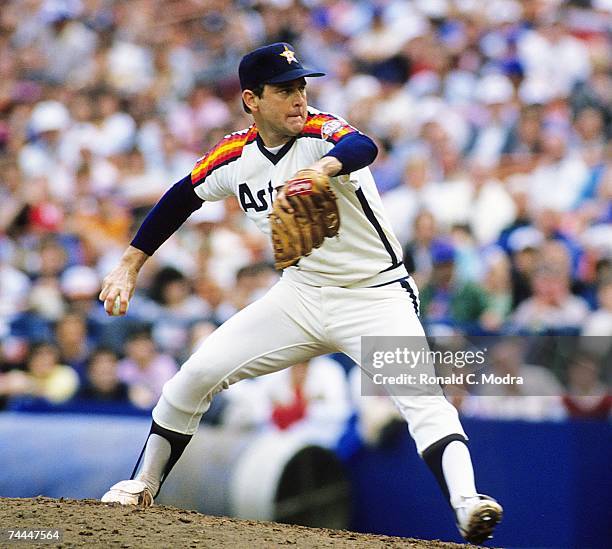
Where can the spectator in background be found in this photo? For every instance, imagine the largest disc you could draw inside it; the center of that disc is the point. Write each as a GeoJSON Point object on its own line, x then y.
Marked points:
{"type": "Point", "coordinates": [13, 355]}
{"type": "Point", "coordinates": [597, 328]}
{"type": "Point", "coordinates": [558, 242]}
{"type": "Point", "coordinates": [393, 106]}
{"type": "Point", "coordinates": [518, 187]}
{"type": "Point", "coordinates": [560, 175]}
{"type": "Point", "coordinates": [495, 92]}
{"type": "Point", "coordinates": [115, 131]}
{"type": "Point", "coordinates": [45, 212]}
{"type": "Point", "coordinates": [141, 186]}
{"type": "Point", "coordinates": [595, 92]}
{"type": "Point", "coordinates": [211, 293]}
{"type": "Point", "coordinates": [312, 392]}
{"type": "Point", "coordinates": [177, 309]}
{"type": "Point", "coordinates": [200, 113]}
{"type": "Point", "coordinates": [446, 301]}
{"type": "Point", "coordinates": [171, 290]}
{"type": "Point", "coordinates": [199, 332]}
{"type": "Point", "coordinates": [589, 136]}
{"type": "Point", "coordinates": [492, 208]}
{"type": "Point", "coordinates": [587, 397]}
{"type": "Point", "coordinates": [378, 422]}
{"type": "Point", "coordinates": [35, 323]}
{"type": "Point", "coordinates": [65, 41]}
{"type": "Point", "coordinates": [102, 383]}
{"type": "Point", "coordinates": [379, 42]}
{"type": "Point", "coordinates": [404, 202]}
{"type": "Point", "coordinates": [497, 284]}
{"type": "Point", "coordinates": [102, 224]}
{"type": "Point", "coordinates": [523, 143]}
{"type": "Point", "coordinates": [72, 341]}
{"type": "Point", "coordinates": [12, 196]}
{"type": "Point", "coordinates": [80, 286]}
{"type": "Point", "coordinates": [236, 234]}
{"type": "Point", "coordinates": [552, 306]}
{"type": "Point", "coordinates": [44, 377]}
{"type": "Point", "coordinates": [599, 322]}
{"type": "Point", "coordinates": [551, 55]}
{"type": "Point", "coordinates": [251, 283]}
{"type": "Point", "coordinates": [310, 397]}
{"type": "Point", "coordinates": [524, 246]}
{"type": "Point", "coordinates": [46, 258]}
{"type": "Point", "coordinates": [449, 197]}
{"type": "Point", "coordinates": [385, 168]}
{"type": "Point", "coordinates": [46, 153]}
{"type": "Point", "coordinates": [537, 398]}
{"type": "Point", "coordinates": [14, 287]}
{"type": "Point", "coordinates": [468, 260]}
{"type": "Point", "coordinates": [173, 159]}
{"type": "Point", "coordinates": [47, 261]}
{"type": "Point", "coordinates": [417, 253]}
{"type": "Point", "coordinates": [144, 369]}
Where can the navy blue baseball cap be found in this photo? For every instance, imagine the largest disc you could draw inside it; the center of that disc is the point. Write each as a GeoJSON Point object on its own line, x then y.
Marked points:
{"type": "Point", "coordinates": [271, 64]}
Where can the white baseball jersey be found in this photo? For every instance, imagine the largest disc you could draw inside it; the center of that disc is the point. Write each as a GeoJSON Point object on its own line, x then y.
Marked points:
{"type": "Point", "coordinates": [325, 304]}
{"type": "Point", "coordinates": [365, 252]}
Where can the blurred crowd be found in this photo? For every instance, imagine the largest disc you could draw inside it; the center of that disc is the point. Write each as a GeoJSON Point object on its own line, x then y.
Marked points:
{"type": "Point", "coordinates": [492, 121]}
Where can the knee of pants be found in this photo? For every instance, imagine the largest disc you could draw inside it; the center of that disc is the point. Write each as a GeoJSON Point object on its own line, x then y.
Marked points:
{"type": "Point", "coordinates": [430, 418]}
{"type": "Point", "coordinates": [173, 418]}
{"type": "Point", "coordinates": [193, 386]}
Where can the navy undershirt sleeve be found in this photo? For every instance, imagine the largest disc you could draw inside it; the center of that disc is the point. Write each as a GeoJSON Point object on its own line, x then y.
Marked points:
{"type": "Point", "coordinates": [354, 151]}
{"type": "Point", "coordinates": [172, 210]}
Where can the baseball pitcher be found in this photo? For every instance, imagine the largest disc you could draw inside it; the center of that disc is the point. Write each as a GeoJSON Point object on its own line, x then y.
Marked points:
{"type": "Point", "coordinates": [302, 176]}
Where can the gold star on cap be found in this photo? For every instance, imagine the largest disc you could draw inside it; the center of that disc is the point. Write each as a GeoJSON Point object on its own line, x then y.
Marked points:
{"type": "Point", "coordinates": [289, 55]}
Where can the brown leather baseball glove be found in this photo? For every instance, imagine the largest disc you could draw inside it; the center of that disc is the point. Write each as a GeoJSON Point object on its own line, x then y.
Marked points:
{"type": "Point", "coordinates": [315, 216]}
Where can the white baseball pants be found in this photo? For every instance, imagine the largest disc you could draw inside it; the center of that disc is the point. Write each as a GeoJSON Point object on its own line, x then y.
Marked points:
{"type": "Point", "coordinates": [292, 323]}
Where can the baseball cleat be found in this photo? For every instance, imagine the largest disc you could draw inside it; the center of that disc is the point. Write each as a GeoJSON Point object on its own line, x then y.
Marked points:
{"type": "Point", "coordinates": [478, 518]}
{"type": "Point", "coordinates": [129, 492]}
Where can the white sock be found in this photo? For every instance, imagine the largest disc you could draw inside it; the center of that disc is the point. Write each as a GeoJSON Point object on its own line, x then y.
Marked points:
{"type": "Point", "coordinates": [458, 473]}
{"type": "Point", "coordinates": [156, 456]}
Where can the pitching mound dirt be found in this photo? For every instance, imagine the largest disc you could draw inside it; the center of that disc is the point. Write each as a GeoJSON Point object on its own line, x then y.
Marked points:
{"type": "Point", "coordinates": [94, 524]}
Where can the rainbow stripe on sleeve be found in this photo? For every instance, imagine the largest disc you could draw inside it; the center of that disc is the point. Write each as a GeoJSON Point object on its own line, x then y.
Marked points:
{"type": "Point", "coordinates": [314, 125]}
{"type": "Point", "coordinates": [224, 152]}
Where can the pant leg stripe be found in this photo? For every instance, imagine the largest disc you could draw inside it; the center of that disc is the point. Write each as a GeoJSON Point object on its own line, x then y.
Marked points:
{"type": "Point", "coordinates": [406, 285]}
